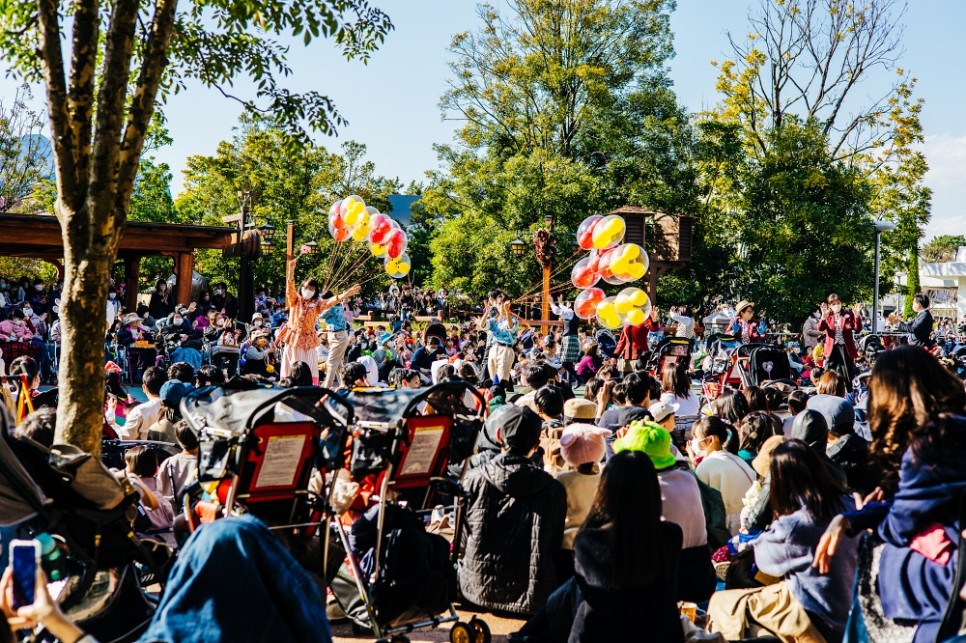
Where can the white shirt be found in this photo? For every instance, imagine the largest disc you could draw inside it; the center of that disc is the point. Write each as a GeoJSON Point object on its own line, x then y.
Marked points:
{"type": "Point", "coordinates": [685, 326]}
{"type": "Point", "coordinates": [687, 406]}
{"type": "Point", "coordinates": [681, 502]}
{"type": "Point", "coordinates": [732, 477]}
{"type": "Point", "coordinates": [562, 312]}
{"type": "Point", "coordinates": [140, 419]}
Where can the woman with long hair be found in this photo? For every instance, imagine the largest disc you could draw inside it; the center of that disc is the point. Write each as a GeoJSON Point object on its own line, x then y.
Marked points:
{"type": "Point", "coordinates": [306, 305]}
{"type": "Point", "coordinates": [805, 605]}
{"type": "Point", "coordinates": [676, 389]}
{"type": "Point", "coordinates": [626, 560]}
{"type": "Point", "coordinates": [731, 406]}
{"type": "Point", "coordinates": [162, 302]}
{"type": "Point", "coordinates": [917, 416]}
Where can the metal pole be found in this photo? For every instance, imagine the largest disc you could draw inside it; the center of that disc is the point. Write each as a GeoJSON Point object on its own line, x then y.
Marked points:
{"type": "Point", "coordinates": [875, 292]}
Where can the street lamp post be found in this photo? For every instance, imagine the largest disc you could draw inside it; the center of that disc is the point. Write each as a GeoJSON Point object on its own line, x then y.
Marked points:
{"type": "Point", "coordinates": [880, 227]}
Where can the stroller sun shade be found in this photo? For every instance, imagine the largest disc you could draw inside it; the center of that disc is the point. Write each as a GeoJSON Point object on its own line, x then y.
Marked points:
{"type": "Point", "coordinates": [20, 496]}
{"type": "Point", "coordinates": [233, 413]}
{"type": "Point", "coordinates": [383, 406]}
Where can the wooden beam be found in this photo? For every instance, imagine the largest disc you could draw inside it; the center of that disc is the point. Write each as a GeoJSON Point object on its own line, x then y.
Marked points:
{"type": "Point", "coordinates": [184, 264]}
{"type": "Point", "coordinates": [132, 273]}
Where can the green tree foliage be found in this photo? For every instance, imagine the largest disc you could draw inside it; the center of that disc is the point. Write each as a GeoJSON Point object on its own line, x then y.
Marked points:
{"type": "Point", "coordinates": [805, 230]}
{"type": "Point", "coordinates": [104, 64]}
{"type": "Point", "coordinates": [825, 63]}
{"type": "Point", "coordinates": [25, 155]}
{"type": "Point", "coordinates": [289, 180]}
{"type": "Point", "coordinates": [942, 248]}
{"type": "Point", "coordinates": [912, 284]}
{"type": "Point", "coordinates": [568, 112]}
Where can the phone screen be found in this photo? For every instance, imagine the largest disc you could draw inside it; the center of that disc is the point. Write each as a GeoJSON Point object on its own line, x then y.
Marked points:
{"type": "Point", "coordinates": [24, 559]}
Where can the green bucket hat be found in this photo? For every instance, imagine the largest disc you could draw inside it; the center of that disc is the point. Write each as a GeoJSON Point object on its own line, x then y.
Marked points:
{"type": "Point", "coordinates": [650, 438]}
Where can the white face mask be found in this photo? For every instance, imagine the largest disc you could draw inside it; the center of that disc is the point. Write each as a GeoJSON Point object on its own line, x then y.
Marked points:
{"type": "Point", "coordinates": [220, 323]}
{"type": "Point", "coordinates": [308, 293]}
{"type": "Point", "coordinates": [111, 295]}
{"type": "Point", "coordinates": [257, 323]}
{"type": "Point", "coordinates": [217, 291]}
{"type": "Point", "coordinates": [696, 448]}
{"type": "Point", "coordinates": [177, 321]}
{"type": "Point", "coordinates": [836, 308]}
{"type": "Point", "coordinates": [28, 311]}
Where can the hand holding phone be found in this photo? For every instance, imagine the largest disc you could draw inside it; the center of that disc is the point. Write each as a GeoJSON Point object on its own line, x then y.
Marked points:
{"type": "Point", "coordinates": [25, 559]}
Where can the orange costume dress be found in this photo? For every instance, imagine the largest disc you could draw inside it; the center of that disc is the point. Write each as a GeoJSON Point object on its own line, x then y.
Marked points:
{"type": "Point", "coordinates": [299, 336]}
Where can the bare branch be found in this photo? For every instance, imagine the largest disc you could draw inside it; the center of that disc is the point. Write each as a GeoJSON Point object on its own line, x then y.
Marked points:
{"type": "Point", "coordinates": [52, 59]}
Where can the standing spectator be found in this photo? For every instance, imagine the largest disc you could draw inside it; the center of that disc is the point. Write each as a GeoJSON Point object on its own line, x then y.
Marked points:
{"type": "Point", "coordinates": [515, 516]}
{"type": "Point", "coordinates": [685, 324]}
{"type": "Point", "coordinates": [920, 328]}
{"type": "Point", "coordinates": [223, 301]}
{"type": "Point", "coordinates": [811, 335]}
{"type": "Point", "coordinates": [162, 301]}
{"type": "Point", "coordinates": [113, 306]}
{"type": "Point", "coordinates": [633, 340]}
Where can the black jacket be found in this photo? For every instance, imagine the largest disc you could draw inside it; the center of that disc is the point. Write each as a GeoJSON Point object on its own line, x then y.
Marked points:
{"type": "Point", "coordinates": [851, 454]}
{"type": "Point", "coordinates": [514, 525]}
{"type": "Point", "coordinates": [646, 613]}
{"type": "Point", "coordinates": [919, 329]}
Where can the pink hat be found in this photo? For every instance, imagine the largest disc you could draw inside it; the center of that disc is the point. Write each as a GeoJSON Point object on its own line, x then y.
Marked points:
{"type": "Point", "coordinates": [582, 444]}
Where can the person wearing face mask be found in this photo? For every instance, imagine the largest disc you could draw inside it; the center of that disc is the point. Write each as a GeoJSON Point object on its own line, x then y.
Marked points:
{"type": "Point", "coordinates": [712, 450]}
{"type": "Point", "coordinates": [113, 306]}
{"type": "Point", "coordinates": [840, 325]}
{"type": "Point", "coordinates": [301, 341]}
{"type": "Point", "coordinates": [223, 301]}
{"type": "Point", "coordinates": [811, 335]}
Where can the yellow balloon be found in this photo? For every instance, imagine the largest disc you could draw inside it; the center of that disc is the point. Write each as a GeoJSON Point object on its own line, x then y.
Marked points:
{"type": "Point", "coordinates": [636, 271]}
{"type": "Point", "coordinates": [639, 298]}
{"type": "Point", "coordinates": [632, 251]}
{"type": "Point", "coordinates": [619, 266]}
{"type": "Point", "coordinates": [606, 309]}
{"type": "Point", "coordinates": [377, 250]}
{"type": "Point", "coordinates": [623, 306]}
{"type": "Point", "coordinates": [635, 317]}
{"type": "Point", "coordinates": [404, 268]}
{"type": "Point", "coordinates": [360, 233]}
{"type": "Point", "coordinates": [352, 216]}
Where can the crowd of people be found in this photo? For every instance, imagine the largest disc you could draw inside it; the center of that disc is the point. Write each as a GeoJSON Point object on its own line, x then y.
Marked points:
{"type": "Point", "coordinates": [607, 496]}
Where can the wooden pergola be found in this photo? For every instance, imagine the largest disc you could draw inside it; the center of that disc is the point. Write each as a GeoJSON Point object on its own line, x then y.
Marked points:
{"type": "Point", "coordinates": [38, 236]}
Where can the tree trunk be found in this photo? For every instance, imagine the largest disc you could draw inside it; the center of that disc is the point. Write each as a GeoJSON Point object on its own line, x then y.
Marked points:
{"type": "Point", "coordinates": [80, 414]}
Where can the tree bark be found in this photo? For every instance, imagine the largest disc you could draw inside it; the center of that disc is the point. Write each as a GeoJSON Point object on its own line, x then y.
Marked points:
{"type": "Point", "coordinates": [87, 269]}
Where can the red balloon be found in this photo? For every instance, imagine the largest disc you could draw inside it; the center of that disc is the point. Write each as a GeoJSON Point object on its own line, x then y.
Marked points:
{"type": "Point", "coordinates": [336, 221]}
{"type": "Point", "coordinates": [603, 264]}
{"type": "Point", "coordinates": [396, 244]}
{"type": "Point", "coordinates": [583, 276]}
{"type": "Point", "coordinates": [585, 233]}
{"type": "Point", "coordinates": [380, 227]}
{"type": "Point", "coordinates": [585, 305]}
{"type": "Point", "coordinates": [340, 234]}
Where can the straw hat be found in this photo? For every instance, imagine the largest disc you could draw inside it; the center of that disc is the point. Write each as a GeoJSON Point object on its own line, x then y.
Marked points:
{"type": "Point", "coordinates": [744, 303]}
{"type": "Point", "coordinates": [130, 318]}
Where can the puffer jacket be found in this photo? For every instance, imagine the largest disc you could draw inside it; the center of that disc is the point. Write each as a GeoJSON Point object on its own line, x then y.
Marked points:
{"type": "Point", "coordinates": [514, 525]}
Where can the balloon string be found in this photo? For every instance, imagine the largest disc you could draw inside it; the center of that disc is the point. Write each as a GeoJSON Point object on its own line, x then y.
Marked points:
{"type": "Point", "coordinates": [341, 264]}
{"type": "Point", "coordinates": [562, 268]}
{"type": "Point", "coordinates": [334, 258]}
{"type": "Point", "coordinates": [351, 270]}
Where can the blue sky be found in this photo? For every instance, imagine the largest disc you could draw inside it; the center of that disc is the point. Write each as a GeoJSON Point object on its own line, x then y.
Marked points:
{"type": "Point", "coordinates": [392, 103]}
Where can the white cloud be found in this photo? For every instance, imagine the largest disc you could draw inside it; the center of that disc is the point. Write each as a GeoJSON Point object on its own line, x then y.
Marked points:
{"type": "Point", "coordinates": [946, 155]}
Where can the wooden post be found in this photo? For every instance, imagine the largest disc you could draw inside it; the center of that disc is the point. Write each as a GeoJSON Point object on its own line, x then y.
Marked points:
{"type": "Point", "coordinates": [132, 272]}
{"type": "Point", "coordinates": [545, 304]}
{"type": "Point", "coordinates": [184, 264]}
{"type": "Point", "coordinates": [289, 255]}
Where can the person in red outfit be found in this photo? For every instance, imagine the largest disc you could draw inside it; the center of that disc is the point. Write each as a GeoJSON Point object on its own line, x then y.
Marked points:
{"type": "Point", "coordinates": [633, 341]}
{"type": "Point", "coordinates": [744, 326]}
{"type": "Point", "coordinates": [840, 325]}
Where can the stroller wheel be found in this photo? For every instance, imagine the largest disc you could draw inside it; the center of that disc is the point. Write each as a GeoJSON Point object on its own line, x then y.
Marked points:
{"type": "Point", "coordinates": [461, 633]}
{"type": "Point", "coordinates": [481, 631]}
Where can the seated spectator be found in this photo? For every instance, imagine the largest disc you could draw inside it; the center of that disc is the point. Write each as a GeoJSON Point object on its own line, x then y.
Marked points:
{"type": "Point", "coordinates": [183, 372]}
{"type": "Point", "coordinates": [830, 383]}
{"type": "Point", "coordinates": [515, 517]}
{"type": "Point", "coordinates": [753, 430]}
{"type": "Point", "coordinates": [179, 471]}
{"type": "Point", "coordinates": [916, 417]}
{"type": "Point", "coordinates": [811, 428]}
{"type": "Point", "coordinates": [805, 606]}
{"type": "Point", "coordinates": [797, 401]}
{"type": "Point", "coordinates": [664, 414]}
{"type": "Point", "coordinates": [582, 449]}
{"type": "Point", "coordinates": [169, 412]}
{"type": "Point", "coordinates": [155, 516]}
{"type": "Point", "coordinates": [230, 562]}
{"type": "Point", "coordinates": [626, 560]}
{"type": "Point", "coordinates": [587, 366]}
{"type": "Point", "coordinates": [719, 467]}
{"type": "Point", "coordinates": [845, 449]}
{"type": "Point", "coordinates": [143, 416]}
{"type": "Point", "coordinates": [676, 389]}
{"type": "Point", "coordinates": [300, 375]}
{"type": "Point", "coordinates": [681, 505]}
{"type": "Point", "coordinates": [579, 410]}
{"type": "Point", "coordinates": [636, 399]}
{"type": "Point", "coordinates": [210, 375]}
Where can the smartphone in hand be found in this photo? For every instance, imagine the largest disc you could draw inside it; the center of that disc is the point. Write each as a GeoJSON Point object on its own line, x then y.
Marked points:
{"type": "Point", "coordinates": [25, 559]}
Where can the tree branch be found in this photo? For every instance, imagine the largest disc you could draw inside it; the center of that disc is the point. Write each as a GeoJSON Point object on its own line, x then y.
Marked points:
{"type": "Point", "coordinates": [80, 99]}
{"type": "Point", "coordinates": [52, 60]}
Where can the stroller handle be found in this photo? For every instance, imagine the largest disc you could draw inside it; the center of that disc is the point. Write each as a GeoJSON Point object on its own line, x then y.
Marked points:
{"type": "Point", "coordinates": [443, 386]}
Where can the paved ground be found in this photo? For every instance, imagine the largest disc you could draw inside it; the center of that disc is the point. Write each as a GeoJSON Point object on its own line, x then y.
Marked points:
{"type": "Point", "coordinates": [499, 628]}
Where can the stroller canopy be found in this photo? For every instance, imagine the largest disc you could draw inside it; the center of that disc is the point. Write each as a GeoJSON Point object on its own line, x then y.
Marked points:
{"type": "Point", "coordinates": [235, 412]}
{"type": "Point", "coordinates": [20, 496]}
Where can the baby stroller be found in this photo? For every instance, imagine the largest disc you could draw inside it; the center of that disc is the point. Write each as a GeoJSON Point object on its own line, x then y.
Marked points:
{"type": "Point", "coordinates": [400, 578]}
{"type": "Point", "coordinates": [81, 514]}
{"type": "Point", "coordinates": [718, 364]}
{"type": "Point", "coordinates": [871, 345]}
{"type": "Point", "coordinates": [765, 364]}
{"type": "Point", "coordinates": [257, 451]}
{"type": "Point", "coordinates": [669, 351]}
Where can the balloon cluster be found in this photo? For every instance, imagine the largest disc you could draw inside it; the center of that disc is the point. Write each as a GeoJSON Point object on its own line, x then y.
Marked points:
{"type": "Point", "coordinates": [350, 218]}
{"type": "Point", "coordinates": [615, 263]}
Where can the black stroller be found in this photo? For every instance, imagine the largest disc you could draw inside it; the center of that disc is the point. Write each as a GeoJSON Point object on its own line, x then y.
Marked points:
{"type": "Point", "coordinates": [399, 577]}
{"type": "Point", "coordinates": [83, 513]}
{"type": "Point", "coordinates": [671, 349]}
{"type": "Point", "coordinates": [765, 364]}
